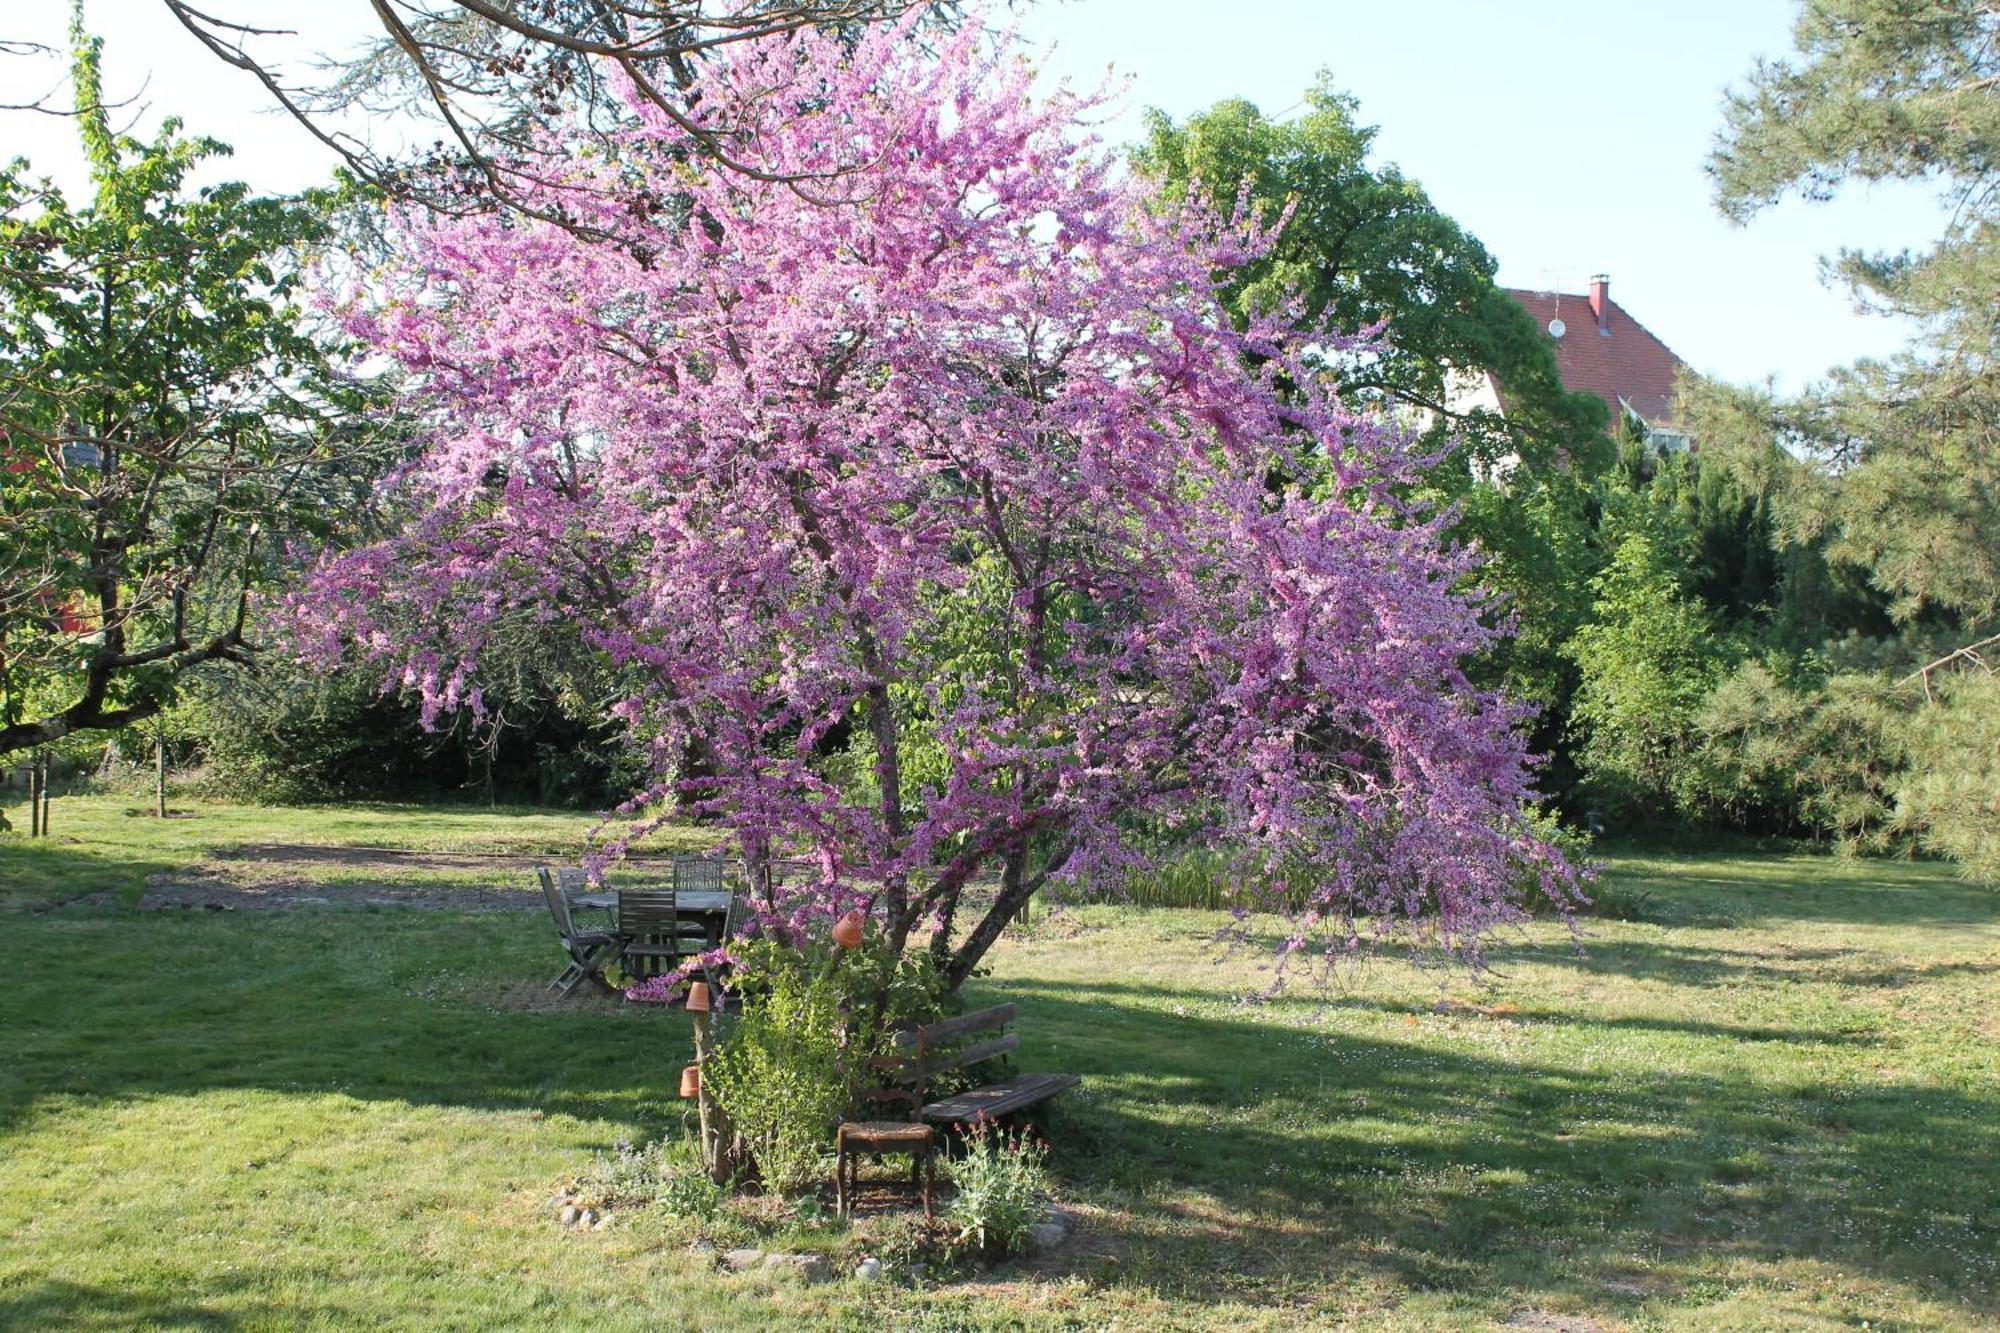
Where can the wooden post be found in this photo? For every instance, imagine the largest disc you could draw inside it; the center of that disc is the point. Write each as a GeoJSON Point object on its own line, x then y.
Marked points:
{"type": "Point", "coordinates": [46, 798]}
{"type": "Point", "coordinates": [160, 775]}
{"type": "Point", "coordinates": [35, 796]}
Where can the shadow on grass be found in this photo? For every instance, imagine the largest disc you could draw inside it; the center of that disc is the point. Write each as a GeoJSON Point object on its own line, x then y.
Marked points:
{"type": "Point", "coordinates": [46, 872]}
{"type": "Point", "coordinates": [1251, 1151]}
{"type": "Point", "coordinates": [74, 1305]}
{"type": "Point", "coordinates": [1447, 1169]}
{"type": "Point", "coordinates": [1700, 891]}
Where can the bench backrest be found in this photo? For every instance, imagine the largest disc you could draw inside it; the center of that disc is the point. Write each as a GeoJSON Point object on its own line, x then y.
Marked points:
{"type": "Point", "coordinates": [950, 1036]}
{"type": "Point", "coordinates": [934, 1048]}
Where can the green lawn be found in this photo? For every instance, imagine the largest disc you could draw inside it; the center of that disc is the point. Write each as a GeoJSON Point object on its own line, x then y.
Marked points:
{"type": "Point", "coordinates": [1774, 1102]}
{"type": "Point", "coordinates": [112, 843]}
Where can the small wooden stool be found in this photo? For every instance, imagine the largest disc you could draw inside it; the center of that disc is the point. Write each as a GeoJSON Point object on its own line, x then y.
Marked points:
{"type": "Point", "coordinates": [879, 1138]}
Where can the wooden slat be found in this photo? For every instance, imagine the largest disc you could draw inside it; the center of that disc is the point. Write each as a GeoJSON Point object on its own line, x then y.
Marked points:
{"type": "Point", "coordinates": [999, 1099]}
{"type": "Point", "coordinates": [999, 1016]}
{"type": "Point", "coordinates": [972, 1055]}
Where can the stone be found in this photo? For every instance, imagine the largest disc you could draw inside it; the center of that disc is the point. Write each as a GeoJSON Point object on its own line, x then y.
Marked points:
{"type": "Point", "coordinates": [809, 1267]}
{"type": "Point", "coordinates": [1047, 1235]}
{"type": "Point", "coordinates": [570, 1213]}
{"type": "Point", "coordinates": [588, 1218]}
{"type": "Point", "coordinates": [869, 1269]}
{"type": "Point", "coordinates": [738, 1260]}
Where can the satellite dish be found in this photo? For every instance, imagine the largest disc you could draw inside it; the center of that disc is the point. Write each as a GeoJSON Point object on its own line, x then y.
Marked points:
{"type": "Point", "coordinates": [1557, 329]}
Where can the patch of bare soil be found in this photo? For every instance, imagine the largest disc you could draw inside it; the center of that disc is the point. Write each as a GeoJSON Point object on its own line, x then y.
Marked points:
{"type": "Point", "coordinates": [187, 890]}
{"type": "Point", "coordinates": [279, 878]}
{"type": "Point", "coordinates": [1551, 1322]}
{"type": "Point", "coordinates": [535, 997]}
{"type": "Point", "coordinates": [386, 859]}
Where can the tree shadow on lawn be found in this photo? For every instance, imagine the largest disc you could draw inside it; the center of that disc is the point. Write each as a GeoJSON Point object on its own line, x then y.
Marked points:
{"type": "Point", "coordinates": [1805, 888]}
{"type": "Point", "coordinates": [43, 873]}
{"type": "Point", "coordinates": [1711, 965]}
{"type": "Point", "coordinates": [1223, 1145]}
{"type": "Point", "coordinates": [388, 1005]}
{"type": "Point", "coordinates": [54, 1303]}
{"type": "Point", "coordinates": [1326, 1153]}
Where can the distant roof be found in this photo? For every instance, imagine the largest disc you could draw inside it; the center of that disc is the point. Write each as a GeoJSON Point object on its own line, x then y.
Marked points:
{"type": "Point", "coordinates": [1625, 364]}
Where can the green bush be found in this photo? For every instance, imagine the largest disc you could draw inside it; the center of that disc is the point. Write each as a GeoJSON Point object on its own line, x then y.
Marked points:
{"type": "Point", "coordinates": [289, 736]}
{"type": "Point", "coordinates": [813, 1016]}
{"type": "Point", "coordinates": [664, 1173]}
{"type": "Point", "coordinates": [1646, 663]}
{"type": "Point", "coordinates": [1823, 759]}
{"type": "Point", "coordinates": [1949, 800]}
{"type": "Point", "coordinates": [1864, 760]}
{"type": "Point", "coordinates": [1002, 1185]}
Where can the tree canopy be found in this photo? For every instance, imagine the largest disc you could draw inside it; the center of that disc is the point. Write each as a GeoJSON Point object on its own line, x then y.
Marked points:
{"type": "Point", "coordinates": [1909, 448]}
{"type": "Point", "coordinates": [1364, 246]}
{"type": "Point", "coordinates": [166, 418]}
{"type": "Point", "coordinates": [934, 511]}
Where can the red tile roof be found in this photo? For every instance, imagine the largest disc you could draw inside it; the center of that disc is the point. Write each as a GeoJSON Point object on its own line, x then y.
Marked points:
{"type": "Point", "coordinates": [1624, 363]}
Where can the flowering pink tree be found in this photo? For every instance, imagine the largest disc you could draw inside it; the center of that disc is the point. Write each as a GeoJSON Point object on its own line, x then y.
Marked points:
{"type": "Point", "coordinates": [936, 518]}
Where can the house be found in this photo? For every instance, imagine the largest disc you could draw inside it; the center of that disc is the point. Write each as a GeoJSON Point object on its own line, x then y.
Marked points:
{"type": "Point", "coordinates": [1599, 349]}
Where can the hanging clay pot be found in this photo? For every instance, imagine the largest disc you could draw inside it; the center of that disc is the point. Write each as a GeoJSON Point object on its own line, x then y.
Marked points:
{"type": "Point", "coordinates": [691, 1081]}
{"type": "Point", "coordinates": [697, 1001]}
{"type": "Point", "coordinates": [847, 930]}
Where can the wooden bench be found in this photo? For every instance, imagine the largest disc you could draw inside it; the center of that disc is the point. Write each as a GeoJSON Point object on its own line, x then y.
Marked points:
{"type": "Point", "coordinates": [921, 1046]}
{"type": "Point", "coordinates": [916, 1061]}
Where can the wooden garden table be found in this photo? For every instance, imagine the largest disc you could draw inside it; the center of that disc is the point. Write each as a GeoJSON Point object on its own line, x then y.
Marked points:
{"type": "Point", "coordinates": [703, 905]}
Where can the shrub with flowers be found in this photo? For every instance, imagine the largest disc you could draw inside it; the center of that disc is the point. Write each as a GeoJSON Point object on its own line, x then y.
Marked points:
{"type": "Point", "coordinates": [1002, 1188]}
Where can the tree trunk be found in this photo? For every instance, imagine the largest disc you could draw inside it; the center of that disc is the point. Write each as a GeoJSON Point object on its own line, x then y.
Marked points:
{"type": "Point", "coordinates": [718, 1136]}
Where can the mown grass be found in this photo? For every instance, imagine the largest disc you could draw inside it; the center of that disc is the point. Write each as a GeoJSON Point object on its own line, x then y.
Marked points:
{"type": "Point", "coordinates": [1774, 1102]}
{"type": "Point", "coordinates": [111, 843]}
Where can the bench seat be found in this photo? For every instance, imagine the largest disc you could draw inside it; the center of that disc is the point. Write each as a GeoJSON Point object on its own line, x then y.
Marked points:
{"type": "Point", "coordinates": [998, 1099]}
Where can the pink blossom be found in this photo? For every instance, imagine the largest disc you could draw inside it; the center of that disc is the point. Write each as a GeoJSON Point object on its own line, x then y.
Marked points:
{"type": "Point", "coordinates": [940, 440]}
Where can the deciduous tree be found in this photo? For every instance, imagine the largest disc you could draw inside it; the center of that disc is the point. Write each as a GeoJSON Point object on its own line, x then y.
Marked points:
{"type": "Point", "coordinates": [166, 418]}
{"type": "Point", "coordinates": [957, 464]}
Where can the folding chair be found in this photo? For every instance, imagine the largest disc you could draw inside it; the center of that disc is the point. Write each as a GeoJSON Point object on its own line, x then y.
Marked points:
{"type": "Point", "coordinates": [587, 949]}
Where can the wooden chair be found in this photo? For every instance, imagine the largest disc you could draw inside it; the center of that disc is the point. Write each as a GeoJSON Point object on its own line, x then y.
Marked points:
{"type": "Point", "coordinates": [652, 932]}
{"type": "Point", "coordinates": [865, 1136]}
{"type": "Point", "coordinates": [587, 949]}
{"type": "Point", "coordinates": [698, 873]}
{"type": "Point", "coordinates": [703, 874]}
{"type": "Point", "coordinates": [953, 1043]}
{"type": "Point", "coordinates": [732, 922]}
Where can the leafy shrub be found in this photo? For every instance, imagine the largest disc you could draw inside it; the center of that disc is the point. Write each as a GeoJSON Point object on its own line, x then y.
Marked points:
{"type": "Point", "coordinates": [1002, 1185]}
{"type": "Point", "coordinates": [812, 1018]}
{"type": "Point", "coordinates": [1950, 797]}
{"type": "Point", "coordinates": [1646, 663]}
{"type": "Point", "coordinates": [290, 736]}
{"type": "Point", "coordinates": [664, 1173]}
{"type": "Point", "coordinates": [1781, 758]}
{"type": "Point", "coordinates": [1862, 759]}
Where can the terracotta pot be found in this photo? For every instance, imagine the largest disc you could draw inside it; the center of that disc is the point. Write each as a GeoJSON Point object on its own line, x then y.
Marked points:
{"type": "Point", "coordinates": [691, 1081]}
{"type": "Point", "coordinates": [847, 930]}
{"type": "Point", "coordinates": [697, 1001]}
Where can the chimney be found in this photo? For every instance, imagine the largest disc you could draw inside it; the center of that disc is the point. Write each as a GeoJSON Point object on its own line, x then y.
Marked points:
{"type": "Point", "coordinates": [1600, 303]}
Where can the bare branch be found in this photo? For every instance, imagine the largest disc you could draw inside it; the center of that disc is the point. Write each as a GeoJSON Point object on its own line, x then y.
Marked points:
{"type": "Point", "coordinates": [496, 75]}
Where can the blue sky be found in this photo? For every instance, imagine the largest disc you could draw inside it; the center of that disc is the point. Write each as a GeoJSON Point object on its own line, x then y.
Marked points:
{"type": "Point", "coordinates": [1568, 135]}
